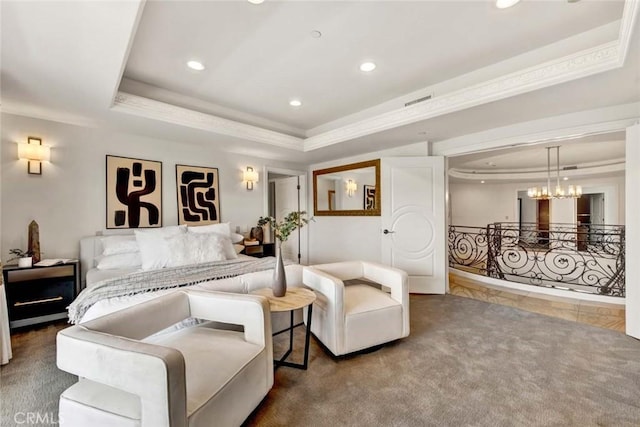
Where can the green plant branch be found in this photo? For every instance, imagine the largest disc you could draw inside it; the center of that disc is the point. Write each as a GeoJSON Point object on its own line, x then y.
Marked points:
{"type": "Point", "coordinates": [288, 225]}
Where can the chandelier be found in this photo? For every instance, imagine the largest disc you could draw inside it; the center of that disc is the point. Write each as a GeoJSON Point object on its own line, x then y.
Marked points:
{"type": "Point", "coordinates": [546, 193]}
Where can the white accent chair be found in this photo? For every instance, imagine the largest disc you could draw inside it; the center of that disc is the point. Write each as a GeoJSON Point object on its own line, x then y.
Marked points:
{"type": "Point", "coordinates": [358, 316]}
{"type": "Point", "coordinates": [195, 376]}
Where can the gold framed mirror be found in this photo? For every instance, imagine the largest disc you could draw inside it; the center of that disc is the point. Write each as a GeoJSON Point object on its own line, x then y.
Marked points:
{"type": "Point", "coordinates": [348, 190]}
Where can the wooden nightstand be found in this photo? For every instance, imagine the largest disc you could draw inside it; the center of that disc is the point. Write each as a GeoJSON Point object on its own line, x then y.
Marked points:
{"type": "Point", "coordinates": [261, 250]}
{"type": "Point", "coordinates": [40, 294]}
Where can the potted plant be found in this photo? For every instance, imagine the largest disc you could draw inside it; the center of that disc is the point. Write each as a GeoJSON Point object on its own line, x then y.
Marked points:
{"type": "Point", "coordinates": [282, 230]}
{"type": "Point", "coordinates": [25, 258]}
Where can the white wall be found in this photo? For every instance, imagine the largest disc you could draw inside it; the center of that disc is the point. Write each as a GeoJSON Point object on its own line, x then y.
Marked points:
{"type": "Point", "coordinates": [343, 238]}
{"type": "Point", "coordinates": [476, 204]}
{"type": "Point", "coordinates": [68, 200]}
{"type": "Point", "coordinates": [529, 208]}
{"type": "Point", "coordinates": [632, 249]}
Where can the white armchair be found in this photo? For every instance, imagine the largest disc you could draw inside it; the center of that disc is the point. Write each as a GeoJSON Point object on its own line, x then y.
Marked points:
{"type": "Point", "coordinates": [195, 376]}
{"type": "Point", "coordinates": [355, 317]}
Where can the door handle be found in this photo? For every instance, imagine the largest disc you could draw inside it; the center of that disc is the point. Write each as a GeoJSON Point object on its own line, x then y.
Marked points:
{"type": "Point", "coordinates": [388, 232]}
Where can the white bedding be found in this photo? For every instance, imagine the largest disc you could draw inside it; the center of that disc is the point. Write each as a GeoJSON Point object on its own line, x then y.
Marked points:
{"type": "Point", "coordinates": [240, 284]}
{"type": "Point", "coordinates": [96, 275]}
{"type": "Point", "coordinates": [92, 247]}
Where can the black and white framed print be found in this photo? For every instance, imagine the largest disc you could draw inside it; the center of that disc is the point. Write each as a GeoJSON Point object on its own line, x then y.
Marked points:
{"type": "Point", "coordinates": [134, 193]}
{"type": "Point", "coordinates": [369, 197]}
{"type": "Point", "coordinates": [198, 195]}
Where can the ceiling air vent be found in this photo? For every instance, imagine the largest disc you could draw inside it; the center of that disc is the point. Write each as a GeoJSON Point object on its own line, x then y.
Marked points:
{"type": "Point", "coordinates": [569, 168]}
{"type": "Point", "coordinates": [415, 101]}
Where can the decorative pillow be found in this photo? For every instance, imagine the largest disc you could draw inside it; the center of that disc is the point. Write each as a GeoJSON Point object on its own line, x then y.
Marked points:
{"type": "Point", "coordinates": [112, 262]}
{"type": "Point", "coordinates": [154, 249]}
{"type": "Point", "coordinates": [196, 248]}
{"type": "Point", "coordinates": [236, 238]}
{"type": "Point", "coordinates": [229, 251]}
{"type": "Point", "coordinates": [114, 245]}
{"type": "Point", "coordinates": [223, 228]}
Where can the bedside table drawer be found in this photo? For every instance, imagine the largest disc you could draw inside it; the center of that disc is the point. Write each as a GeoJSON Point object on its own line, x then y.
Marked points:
{"type": "Point", "coordinates": [39, 294]}
{"type": "Point", "coordinates": [39, 273]}
{"type": "Point", "coordinates": [40, 298]}
{"type": "Point", "coordinates": [255, 250]}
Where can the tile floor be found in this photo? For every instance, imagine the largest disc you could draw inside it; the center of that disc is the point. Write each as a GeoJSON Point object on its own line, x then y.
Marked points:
{"type": "Point", "coordinates": [609, 316]}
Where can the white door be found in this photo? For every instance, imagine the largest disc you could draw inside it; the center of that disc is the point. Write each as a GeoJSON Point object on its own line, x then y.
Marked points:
{"type": "Point", "coordinates": [414, 222]}
{"type": "Point", "coordinates": [287, 201]}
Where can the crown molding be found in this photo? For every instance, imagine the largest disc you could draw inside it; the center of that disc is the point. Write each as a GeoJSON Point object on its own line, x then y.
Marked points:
{"type": "Point", "coordinates": [156, 110]}
{"type": "Point", "coordinates": [571, 67]}
{"type": "Point", "coordinates": [524, 175]}
{"type": "Point", "coordinates": [629, 17]}
{"type": "Point", "coordinates": [521, 140]}
{"type": "Point", "coordinates": [605, 57]}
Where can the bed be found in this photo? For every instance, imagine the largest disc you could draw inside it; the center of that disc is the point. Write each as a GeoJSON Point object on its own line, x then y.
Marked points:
{"type": "Point", "coordinates": [92, 259]}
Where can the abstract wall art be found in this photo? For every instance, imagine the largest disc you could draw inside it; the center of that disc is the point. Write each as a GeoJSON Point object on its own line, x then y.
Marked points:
{"type": "Point", "coordinates": [369, 197]}
{"type": "Point", "coordinates": [134, 193]}
{"type": "Point", "coordinates": [198, 195]}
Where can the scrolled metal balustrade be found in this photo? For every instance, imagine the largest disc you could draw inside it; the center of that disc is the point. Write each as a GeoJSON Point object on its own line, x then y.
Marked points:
{"type": "Point", "coordinates": [586, 258]}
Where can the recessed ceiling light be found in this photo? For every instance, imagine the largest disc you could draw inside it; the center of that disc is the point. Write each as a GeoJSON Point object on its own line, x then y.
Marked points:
{"type": "Point", "coordinates": [566, 178]}
{"type": "Point", "coordinates": [503, 4]}
{"type": "Point", "coordinates": [481, 182]}
{"type": "Point", "coordinates": [422, 133]}
{"type": "Point", "coordinates": [492, 164]}
{"type": "Point", "coordinates": [367, 66]}
{"type": "Point", "coordinates": [255, 1]}
{"type": "Point", "coordinates": [315, 34]}
{"type": "Point", "coordinates": [295, 103]}
{"type": "Point", "coordinates": [195, 65]}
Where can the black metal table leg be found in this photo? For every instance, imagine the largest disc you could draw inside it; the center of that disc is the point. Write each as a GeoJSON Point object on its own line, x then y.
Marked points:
{"type": "Point", "coordinates": [282, 361]}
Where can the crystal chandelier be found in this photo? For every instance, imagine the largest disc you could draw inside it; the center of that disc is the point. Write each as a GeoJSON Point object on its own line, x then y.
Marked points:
{"type": "Point", "coordinates": [546, 193]}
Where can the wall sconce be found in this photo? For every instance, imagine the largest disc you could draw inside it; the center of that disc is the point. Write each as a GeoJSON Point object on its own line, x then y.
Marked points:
{"type": "Point", "coordinates": [351, 188]}
{"type": "Point", "coordinates": [35, 153]}
{"type": "Point", "coordinates": [250, 177]}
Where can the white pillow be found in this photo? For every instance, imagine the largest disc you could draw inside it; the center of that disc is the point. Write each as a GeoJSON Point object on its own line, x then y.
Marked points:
{"type": "Point", "coordinates": [195, 248]}
{"type": "Point", "coordinates": [114, 245]}
{"type": "Point", "coordinates": [229, 250]}
{"type": "Point", "coordinates": [223, 228]}
{"type": "Point", "coordinates": [112, 262]}
{"type": "Point", "coordinates": [154, 249]}
{"type": "Point", "coordinates": [236, 238]}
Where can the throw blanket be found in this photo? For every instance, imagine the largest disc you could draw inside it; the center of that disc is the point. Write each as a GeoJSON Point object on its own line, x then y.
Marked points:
{"type": "Point", "coordinates": [166, 278]}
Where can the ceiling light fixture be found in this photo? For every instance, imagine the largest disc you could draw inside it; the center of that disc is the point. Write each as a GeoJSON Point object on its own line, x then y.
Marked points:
{"type": "Point", "coordinates": [544, 193]}
{"type": "Point", "coordinates": [367, 66]}
{"type": "Point", "coordinates": [195, 65]}
{"type": "Point", "coordinates": [295, 103]}
{"type": "Point", "coordinates": [315, 34]}
{"type": "Point", "coordinates": [255, 1]}
{"type": "Point", "coordinates": [503, 4]}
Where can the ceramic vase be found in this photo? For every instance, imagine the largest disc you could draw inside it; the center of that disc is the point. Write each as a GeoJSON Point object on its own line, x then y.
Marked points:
{"type": "Point", "coordinates": [279, 285]}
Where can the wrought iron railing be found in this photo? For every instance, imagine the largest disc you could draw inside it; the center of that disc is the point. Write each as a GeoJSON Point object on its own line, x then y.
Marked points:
{"type": "Point", "coordinates": [468, 248]}
{"type": "Point", "coordinates": [585, 258]}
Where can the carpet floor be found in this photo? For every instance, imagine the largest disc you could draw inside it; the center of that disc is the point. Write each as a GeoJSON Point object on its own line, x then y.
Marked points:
{"type": "Point", "coordinates": [466, 363]}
